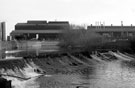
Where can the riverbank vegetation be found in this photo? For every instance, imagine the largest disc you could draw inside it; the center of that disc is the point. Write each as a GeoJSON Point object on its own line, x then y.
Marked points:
{"type": "Point", "coordinates": [81, 39]}
{"type": "Point", "coordinates": [87, 40]}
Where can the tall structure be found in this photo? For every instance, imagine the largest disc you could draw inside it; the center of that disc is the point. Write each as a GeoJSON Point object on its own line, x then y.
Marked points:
{"type": "Point", "coordinates": [39, 30]}
{"type": "Point", "coordinates": [2, 31]}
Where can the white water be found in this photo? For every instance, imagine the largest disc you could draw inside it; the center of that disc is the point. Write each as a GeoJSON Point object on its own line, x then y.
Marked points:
{"type": "Point", "coordinates": [114, 75]}
{"type": "Point", "coordinates": [27, 72]}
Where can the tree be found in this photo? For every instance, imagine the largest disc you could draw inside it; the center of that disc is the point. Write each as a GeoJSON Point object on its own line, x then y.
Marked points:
{"type": "Point", "coordinates": [82, 38]}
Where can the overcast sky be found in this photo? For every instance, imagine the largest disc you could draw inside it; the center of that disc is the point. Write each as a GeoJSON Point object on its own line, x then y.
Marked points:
{"type": "Point", "coordinates": [74, 11]}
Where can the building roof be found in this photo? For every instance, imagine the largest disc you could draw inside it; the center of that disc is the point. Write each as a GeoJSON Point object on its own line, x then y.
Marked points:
{"type": "Point", "coordinates": [38, 25]}
{"type": "Point", "coordinates": [36, 21]}
{"type": "Point", "coordinates": [112, 28]}
{"type": "Point", "coordinates": [24, 24]}
{"type": "Point", "coordinates": [58, 22]}
{"type": "Point", "coordinates": [44, 22]}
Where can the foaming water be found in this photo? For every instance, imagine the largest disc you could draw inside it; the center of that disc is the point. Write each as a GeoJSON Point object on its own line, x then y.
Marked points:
{"type": "Point", "coordinates": [18, 83]}
{"type": "Point", "coordinates": [114, 75]}
{"type": "Point", "coordinates": [22, 78]}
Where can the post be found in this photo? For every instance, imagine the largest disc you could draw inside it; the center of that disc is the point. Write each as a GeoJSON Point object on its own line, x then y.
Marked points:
{"type": "Point", "coordinates": [0, 49]}
{"type": "Point", "coordinates": [37, 52]}
{"type": "Point", "coordinates": [112, 34]}
{"type": "Point", "coordinates": [37, 36]}
{"type": "Point", "coordinates": [0, 45]}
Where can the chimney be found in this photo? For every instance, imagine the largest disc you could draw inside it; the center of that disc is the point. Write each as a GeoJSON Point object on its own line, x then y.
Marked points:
{"type": "Point", "coordinates": [121, 23]}
{"type": "Point", "coordinates": [111, 24]}
{"type": "Point", "coordinates": [104, 24]}
{"type": "Point", "coordinates": [131, 25]}
{"type": "Point", "coordinates": [91, 25]}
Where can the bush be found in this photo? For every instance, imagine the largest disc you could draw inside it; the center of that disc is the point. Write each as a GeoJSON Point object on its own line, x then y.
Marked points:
{"type": "Point", "coordinates": [85, 39]}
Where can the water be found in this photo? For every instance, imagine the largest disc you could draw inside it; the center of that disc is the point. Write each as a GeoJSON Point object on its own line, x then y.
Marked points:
{"type": "Point", "coordinates": [83, 73]}
{"type": "Point", "coordinates": [115, 76]}
{"type": "Point", "coordinates": [24, 74]}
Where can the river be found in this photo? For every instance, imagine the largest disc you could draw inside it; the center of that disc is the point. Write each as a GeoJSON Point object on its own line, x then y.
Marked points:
{"type": "Point", "coordinates": [69, 71]}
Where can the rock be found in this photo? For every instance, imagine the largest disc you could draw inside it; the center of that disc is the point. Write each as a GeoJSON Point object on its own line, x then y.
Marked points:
{"type": "Point", "coordinates": [4, 83]}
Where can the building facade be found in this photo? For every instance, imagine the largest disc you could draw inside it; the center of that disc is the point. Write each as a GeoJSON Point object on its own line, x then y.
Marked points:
{"type": "Point", "coordinates": [114, 32]}
{"type": "Point", "coordinates": [39, 30]}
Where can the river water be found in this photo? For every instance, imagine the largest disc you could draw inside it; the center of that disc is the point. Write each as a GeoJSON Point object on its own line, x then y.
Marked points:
{"type": "Point", "coordinates": [70, 72]}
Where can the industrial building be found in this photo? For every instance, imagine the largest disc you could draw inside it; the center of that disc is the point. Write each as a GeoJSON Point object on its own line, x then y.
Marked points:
{"type": "Point", "coordinates": [52, 30]}
{"type": "Point", "coordinates": [113, 32]}
{"type": "Point", "coordinates": [39, 30]}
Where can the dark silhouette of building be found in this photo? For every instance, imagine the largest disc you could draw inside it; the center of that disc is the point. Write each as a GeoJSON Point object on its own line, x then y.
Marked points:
{"type": "Point", "coordinates": [39, 30]}
{"type": "Point", "coordinates": [2, 31]}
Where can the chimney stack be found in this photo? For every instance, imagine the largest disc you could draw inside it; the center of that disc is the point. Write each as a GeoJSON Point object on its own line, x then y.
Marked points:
{"type": "Point", "coordinates": [121, 23]}
{"type": "Point", "coordinates": [91, 25]}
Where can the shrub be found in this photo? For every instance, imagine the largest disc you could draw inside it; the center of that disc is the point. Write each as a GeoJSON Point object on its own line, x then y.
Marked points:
{"type": "Point", "coordinates": [85, 39]}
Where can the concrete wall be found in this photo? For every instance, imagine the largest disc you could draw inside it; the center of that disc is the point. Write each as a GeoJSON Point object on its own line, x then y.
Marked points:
{"type": "Point", "coordinates": [38, 45]}
{"type": "Point", "coordinates": [7, 45]}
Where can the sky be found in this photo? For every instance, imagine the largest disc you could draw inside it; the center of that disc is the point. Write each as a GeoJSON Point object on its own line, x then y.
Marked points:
{"type": "Point", "coordinates": [78, 12]}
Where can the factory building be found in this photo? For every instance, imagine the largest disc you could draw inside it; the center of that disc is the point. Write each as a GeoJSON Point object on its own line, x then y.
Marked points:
{"type": "Point", "coordinates": [114, 32]}
{"type": "Point", "coordinates": [39, 30]}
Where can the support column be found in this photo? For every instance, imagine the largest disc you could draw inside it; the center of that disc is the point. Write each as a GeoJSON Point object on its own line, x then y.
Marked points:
{"type": "Point", "coordinates": [28, 36]}
{"type": "Point", "coordinates": [111, 34]}
{"type": "Point", "coordinates": [122, 34]}
{"type": "Point", "coordinates": [37, 36]}
{"type": "Point", "coordinates": [127, 34]}
{"type": "Point", "coordinates": [0, 45]}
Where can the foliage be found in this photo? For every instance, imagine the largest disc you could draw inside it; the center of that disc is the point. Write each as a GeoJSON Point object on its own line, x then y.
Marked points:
{"type": "Point", "coordinates": [86, 39]}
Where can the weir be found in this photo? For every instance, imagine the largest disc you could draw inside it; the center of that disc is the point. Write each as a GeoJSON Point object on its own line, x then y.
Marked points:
{"type": "Point", "coordinates": [46, 61]}
{"type": "Point", "coordinates": [31, 67]}
{"type": "Point", "coordinates": [55, 60]}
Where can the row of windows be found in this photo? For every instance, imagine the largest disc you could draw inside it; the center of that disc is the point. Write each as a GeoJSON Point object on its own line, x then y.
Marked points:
{"type": "Point", "coordinates": [40, 37]}
{"type": "Point", "coordinates": [37, 27]}
{"type": "Point", "coordinates": [117, 34]}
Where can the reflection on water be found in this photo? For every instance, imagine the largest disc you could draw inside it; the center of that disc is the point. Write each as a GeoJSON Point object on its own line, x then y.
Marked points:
{"type": "Point", "coordinates": [68, 72]}
{"type": "Point", "coordinates": [111, 75]}
{"type": "Point", "coordinates": [114, 76]}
